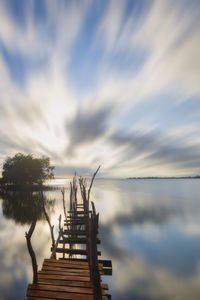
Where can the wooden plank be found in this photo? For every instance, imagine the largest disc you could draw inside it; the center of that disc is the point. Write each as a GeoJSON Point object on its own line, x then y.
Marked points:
{"type": "Point", "coordinates": [80, 212]}
{"type": "Point", "coordinates": [77, 217]}
{"type": "Point", "coordinates": [66, 289]}
{"type": "Point", "coordinates": [82, 220]}
{"type": "Point", "coordinates": [65, 273]}
{"type": "Point", "coordinates": [58, 288]}
{"type": "Point", "coordinates": [39, 298]}
{"type": "Point", "coordinates": [72, 259]}
{"type": "Point", "coordinates": [52, 272]}
{"type": "Point", "coordinates": [107, 272]}
{"type": "Point", "coordinates": [54, 268]}
{"type": "Point", "coordinates": [68, 261]}
{"type": "Point", "coordinates": [106, 263]}
{"type": "Point", "coordinates": [77, 240]}
{"type": "Point", "coordinates": [75, 222]}
{"type": "Point", "coordinates": [104, 286]}
{"type": "Point", "coordinates": [63, 277]}
{"type": "Point", "coordinates": [71, 251]}
{"type": "Point", "coordinates": [73, 241]}
{"type": "Point", "coordinates": [78, 261]}
{"type": "Point", "coordinates": [74, 232]}
{"type": "Point", "coordinates": [66, 266]}
{"type": "Point", "coordinates": [70, 283]}
{"type": "Point", "coordinates": [66, 282]}
{"type": "Point", "coordinates": [74, 251]}
{"type": "Point", "coordinates": [56, 295]}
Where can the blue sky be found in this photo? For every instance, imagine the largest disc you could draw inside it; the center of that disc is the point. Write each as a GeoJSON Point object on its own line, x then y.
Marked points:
{"type": "Point", "coordinates": [114, 83]}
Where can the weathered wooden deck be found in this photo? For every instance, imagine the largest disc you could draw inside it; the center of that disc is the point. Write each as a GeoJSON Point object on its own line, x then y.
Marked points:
{"type": "Point", "coordinates": [64, 279]}
{"type": "Point", "coordinates": [77, 273]}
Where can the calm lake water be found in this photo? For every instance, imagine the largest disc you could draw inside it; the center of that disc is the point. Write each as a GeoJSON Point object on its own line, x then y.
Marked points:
{"type": "Point", "coordinates": [149, 228]}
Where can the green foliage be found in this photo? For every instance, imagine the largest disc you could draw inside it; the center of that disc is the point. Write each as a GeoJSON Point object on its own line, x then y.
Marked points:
{"type": "Point", "coordinates": [26, 170]}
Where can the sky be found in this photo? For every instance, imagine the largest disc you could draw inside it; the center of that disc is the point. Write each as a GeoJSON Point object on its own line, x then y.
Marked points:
{"type": "Point", "coordinates": [110, 83]}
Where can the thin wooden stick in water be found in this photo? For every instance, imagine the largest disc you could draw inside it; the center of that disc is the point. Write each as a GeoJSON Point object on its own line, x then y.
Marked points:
{"type": "Point", "coordinates": [30, 248]}
{"type": "Point", "coordinates": [53, 254]}
{"type": "Point", "coordinates": [92, 182]}
{"type": "Point", "coordinates": [60, 218]}
{"type": "Point", "coordinates": [63, 198]}
{"type": "Point", "coordinates": [48, 221]}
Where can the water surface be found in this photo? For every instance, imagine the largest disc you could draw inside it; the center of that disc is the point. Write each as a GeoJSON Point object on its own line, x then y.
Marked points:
{"type": "Point", "coordinates": [149, 228]}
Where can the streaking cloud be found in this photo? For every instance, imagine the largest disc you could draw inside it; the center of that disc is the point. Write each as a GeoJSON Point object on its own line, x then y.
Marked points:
{"type": "Point", "coordinates": [113, 83]}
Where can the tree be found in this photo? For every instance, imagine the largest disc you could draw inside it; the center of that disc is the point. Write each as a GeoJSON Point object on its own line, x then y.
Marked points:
{"type": "Point", "coordinates": [26, 170]}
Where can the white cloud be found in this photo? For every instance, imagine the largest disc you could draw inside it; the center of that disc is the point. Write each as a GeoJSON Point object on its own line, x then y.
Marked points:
{"type": "Point", "coordinates": [36, 117]}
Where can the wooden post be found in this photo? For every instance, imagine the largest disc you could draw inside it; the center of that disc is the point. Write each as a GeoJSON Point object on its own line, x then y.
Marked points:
{"type": "Point", "coordinates": [63, 199]}
{"type": "Point", "coordinates": [92, 232]}
{"type": "Point", "coordinates": [95, 267]}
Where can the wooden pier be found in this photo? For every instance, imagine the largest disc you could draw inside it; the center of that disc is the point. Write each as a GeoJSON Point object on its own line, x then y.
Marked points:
{"type": "Point", "coordinates": [77, 273]}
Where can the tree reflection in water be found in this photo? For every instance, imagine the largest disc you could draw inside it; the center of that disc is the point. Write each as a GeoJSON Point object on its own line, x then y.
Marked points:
{"type": "Point", "coordinates": [19, 206]}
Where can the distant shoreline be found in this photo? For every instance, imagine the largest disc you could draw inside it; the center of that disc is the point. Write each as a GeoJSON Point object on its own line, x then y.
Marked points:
{"type": "Point", "coordinates": [181, 177]}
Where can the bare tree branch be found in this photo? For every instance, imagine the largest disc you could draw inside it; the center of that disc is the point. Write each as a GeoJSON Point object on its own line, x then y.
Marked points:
{"type": "Point", "coordinates": [48, 221]}
{"type": "Point", "coordinates": [63, 199]}
{"type": "Point", "coordinates": [92, 182]}
{"type": "Point", "coordinates": [30, 248]}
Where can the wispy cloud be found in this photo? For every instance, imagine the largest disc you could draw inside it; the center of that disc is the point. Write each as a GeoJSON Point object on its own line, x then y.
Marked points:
{"type": "Point", "coordinates": [113, 82]}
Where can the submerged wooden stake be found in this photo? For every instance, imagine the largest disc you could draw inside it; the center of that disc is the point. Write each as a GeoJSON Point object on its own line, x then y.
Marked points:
{"type": "Point", "coordinates": [63, 199]}
{"type": "Point", "coordinates": [48, 221]}
{"type": "Point", "coordinates": [30, 248]}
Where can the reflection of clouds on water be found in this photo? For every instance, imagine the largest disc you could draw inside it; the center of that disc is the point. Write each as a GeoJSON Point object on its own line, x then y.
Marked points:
{"type": "Point", "coordinates": [149, 229]}
{"type": "Point", "coordinates": [192, 229]}
{"type": "Point", "coordinates": [109, 247]}
{"type": "Point", "coordinates": [153, 270]}
{"type": "Point", "coordinates": [133, 278]}
{"type": "Point", "coordinates": [153, 238]}
{"type": "Point", "coordinates": [153, 214]}
{"type": "Point", "coordinates": [142, 202]}
{"type": "Point", "coordinates": [15, 262]}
